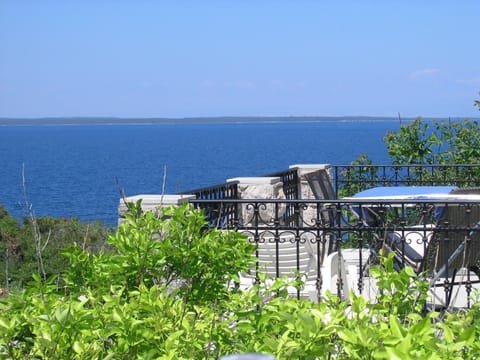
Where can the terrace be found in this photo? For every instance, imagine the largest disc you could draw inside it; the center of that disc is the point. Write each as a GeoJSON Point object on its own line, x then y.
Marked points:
{"type": "Point", "coordinates": [312, 222]}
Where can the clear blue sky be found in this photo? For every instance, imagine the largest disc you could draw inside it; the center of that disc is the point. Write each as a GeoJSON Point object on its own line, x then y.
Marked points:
{"type": "Point", "coordinates": [239, 58]}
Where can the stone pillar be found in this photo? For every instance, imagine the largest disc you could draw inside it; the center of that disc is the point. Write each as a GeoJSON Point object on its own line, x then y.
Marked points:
{"type": "Point", "coordinates": [315, 182]}
{"type": "Point", "coordinates": [305, 190]}
{"type": "Point", "coordinates": [265, 188]}
{"type": "Point", "coordinates": [152, 202]}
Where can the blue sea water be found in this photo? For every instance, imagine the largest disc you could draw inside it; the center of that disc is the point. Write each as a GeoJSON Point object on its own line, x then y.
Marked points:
{"type": "Point", "coordinates": [71, 171]}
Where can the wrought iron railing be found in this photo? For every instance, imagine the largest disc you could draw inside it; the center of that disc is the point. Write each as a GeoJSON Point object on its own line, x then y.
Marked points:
{"type": "Point", "coordinates": [217, 212]}
{"type": "Point", "coordinates": [289, 178]}
{"type": "Point", "coordinates": [291, 186]}
{"type": "Point", "coordinates": [349, 179]}
{"type": "Point", "coordinates": [436, 238]}
{"type": "Point", "coordinates": [215, 207]}
{"type": "Point", "coordinates": [303, 235]}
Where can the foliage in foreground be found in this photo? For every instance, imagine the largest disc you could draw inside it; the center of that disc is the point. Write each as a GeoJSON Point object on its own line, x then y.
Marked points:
{"type": "Point", "coordinates": [18, 255]}
{"type": "Point", "coordinates": [165, 290]}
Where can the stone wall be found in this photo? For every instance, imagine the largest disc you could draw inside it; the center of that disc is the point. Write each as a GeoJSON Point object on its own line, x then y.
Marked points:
{"type": "Point", "coordinates": [152, 202]}
{"type": "Point", "coordinates": [267, 188]}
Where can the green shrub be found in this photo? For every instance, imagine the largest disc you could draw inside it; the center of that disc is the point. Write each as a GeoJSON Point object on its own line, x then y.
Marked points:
{"type": "Point", "coordinates": [18, 256]}
{"type": "Point", "coordinates": [444, 142]}
{"type": "Point", "coordinates": [163, 290]}
{"type": "Point", "coordinates": [424, 143]}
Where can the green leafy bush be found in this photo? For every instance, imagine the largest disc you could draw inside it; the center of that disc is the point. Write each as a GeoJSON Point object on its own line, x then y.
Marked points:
{"type": "Point", "coordinates": [424, 143]}
{"type": "Point", "coordinates": [444, 142]}
{"type": "Point", "coordinates": [18, 256]}
{"type": "Point", "coordinates": [164, 290]}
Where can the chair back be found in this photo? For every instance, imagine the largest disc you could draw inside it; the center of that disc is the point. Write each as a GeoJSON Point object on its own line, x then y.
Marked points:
{"type": "Point", "coordinates": [322, 188]}
{"type": "Point", "coordinates": [321, 185]}
{"type": "Point", "coordinates": [285, 254]}
{"type": "Point", "coordinates": [455, 243]}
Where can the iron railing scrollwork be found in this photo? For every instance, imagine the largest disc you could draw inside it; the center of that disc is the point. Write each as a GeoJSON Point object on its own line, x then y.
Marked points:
{"type": "Point", "coordinates": [349, 179]}
{"type": "Point", "coordinates": [291, 189]}
{"type": "Point", "coordinates": [436, 238]}
{"type": "Point", "coordinates": [216, 209]}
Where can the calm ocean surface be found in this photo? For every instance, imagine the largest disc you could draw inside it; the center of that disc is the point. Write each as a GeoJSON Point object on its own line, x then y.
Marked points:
{"type": "Point", "coordinates": [70, 171]}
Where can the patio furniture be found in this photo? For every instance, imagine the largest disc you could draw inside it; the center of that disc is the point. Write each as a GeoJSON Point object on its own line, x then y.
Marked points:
{"type": "Point", "coordinates": [452, 243]}
{"type": "Point", "coordinates": [370, 214]}
{"type": "Point", "coordinates": [342, 270]}
{"type": "Point", "coordinates": [403, 192]}
{"type": "Point", "coordinates": [285, 255]}
{"type": "Point", "coordinates": [448, 252]}
{"type": "Point", "coordinates": [445, 246]}
{"type": "Point", "coordinates": [322, 189]}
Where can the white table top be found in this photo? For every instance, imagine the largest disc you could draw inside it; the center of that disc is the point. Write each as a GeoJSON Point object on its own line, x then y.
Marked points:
{"type": "Point", "coordinates": [404, 192]}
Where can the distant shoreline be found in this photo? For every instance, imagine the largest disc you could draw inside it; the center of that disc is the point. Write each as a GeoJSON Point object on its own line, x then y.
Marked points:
{"type": "Point", "coordinates": [179, 121]}
{"type": "Point", "coordinates": [193, 120]}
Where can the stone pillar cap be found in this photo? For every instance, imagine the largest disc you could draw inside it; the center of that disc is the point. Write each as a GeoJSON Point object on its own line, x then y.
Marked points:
{"type": "Point", "coordinates": [309, 166]}
{"type": "Point", "coordinates": [155, 200]}
{"type": "Point", "coordinates": [259, 180]}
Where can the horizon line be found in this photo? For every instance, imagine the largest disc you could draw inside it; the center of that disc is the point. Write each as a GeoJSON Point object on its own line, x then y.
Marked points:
{"type": "Point", "coordinates": [80, 117]}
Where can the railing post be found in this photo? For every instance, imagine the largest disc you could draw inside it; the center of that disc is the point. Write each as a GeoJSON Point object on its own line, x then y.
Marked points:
{"type": "Point", "coordinates": [264, 188]}
{"type": "Point", "coordinates": [306, 190]}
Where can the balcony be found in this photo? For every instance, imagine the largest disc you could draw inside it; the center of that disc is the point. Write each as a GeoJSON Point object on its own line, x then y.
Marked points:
{"type": "Point", "coordinates": [310, 223]}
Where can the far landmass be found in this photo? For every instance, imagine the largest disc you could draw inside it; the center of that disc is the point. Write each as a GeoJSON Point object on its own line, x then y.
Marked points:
{"type": "Point", "coordinates": [191, 120]}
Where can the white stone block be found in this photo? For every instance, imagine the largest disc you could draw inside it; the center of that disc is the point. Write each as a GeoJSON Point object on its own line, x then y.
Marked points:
{"type": "Point", "coordinates": [265, 188]}
{"type": "Point", "coordinates": [152, 202]}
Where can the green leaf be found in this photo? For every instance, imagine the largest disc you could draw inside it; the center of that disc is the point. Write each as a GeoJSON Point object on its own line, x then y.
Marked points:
{"type": "Point", "coordinates": [396, 327]}
{"type": "Point", "coordinates": [468, 335]}
{"type": "Point", "coordinates": [44, 317]}
{"type": "Point", "coordinates": [61, 315]}
{"type": "Point", "coordinates": [77, 347]}
{"type": "Point", "coordinates": [348, 336]}
{"type": "Point", "coordinates": [447, 332]}
{"type": "Point", "coordinates": [3, 324]}
{"type": "Point", "coordinates": [116, 316]}
{"type": "Point", "coordinates": [409, 271]}
{"type": "Point", "coordinates": [405, 345]}
{"type": "Point", "coordinates": [396, 354]}
{"type": "Point", "coordinates": [424, 326]}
